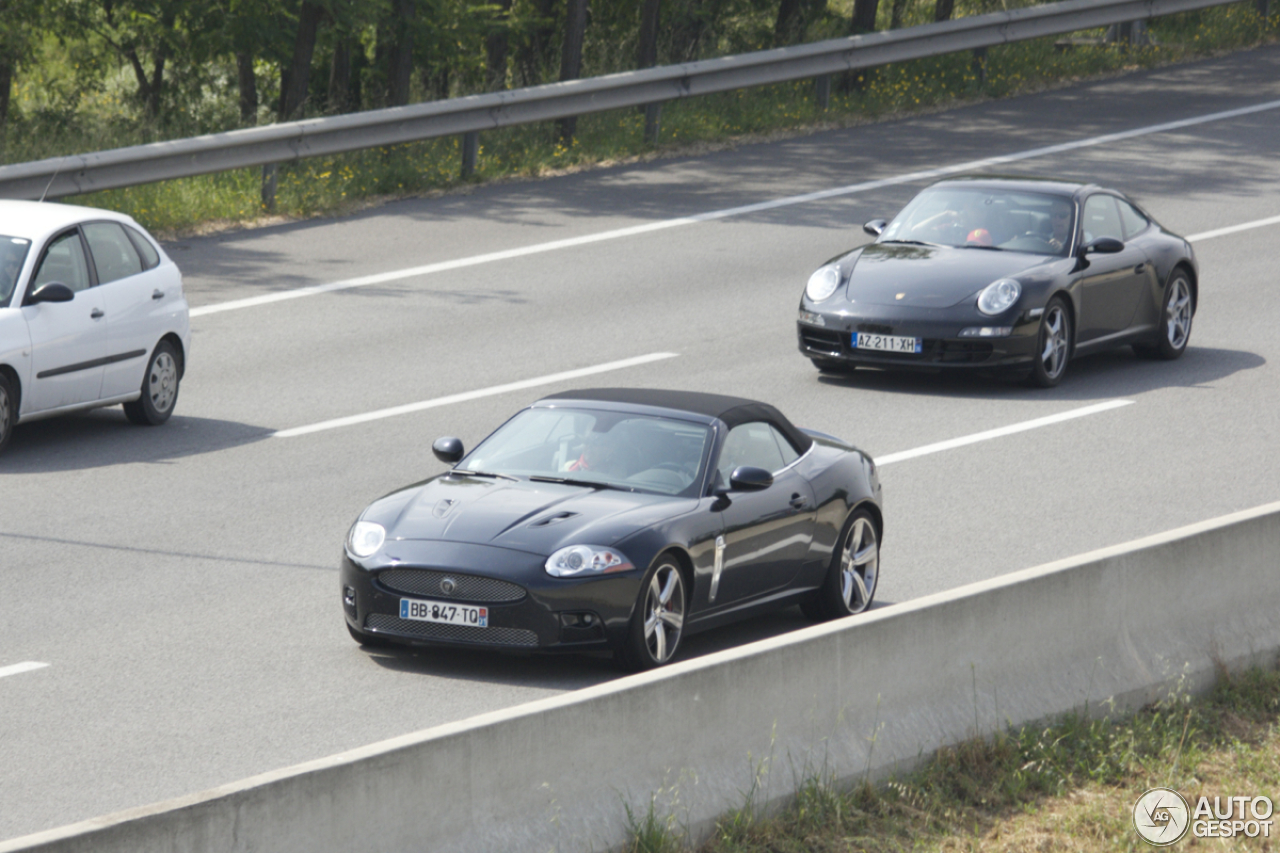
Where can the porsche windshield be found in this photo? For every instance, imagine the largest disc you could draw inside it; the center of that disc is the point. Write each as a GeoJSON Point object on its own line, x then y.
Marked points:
{"type": "Point", "coordinates": [612, 449]}
{"type": "Point", "coordinates": [13, 251]}
{"type": "Point", "coordinates": [970, 217]}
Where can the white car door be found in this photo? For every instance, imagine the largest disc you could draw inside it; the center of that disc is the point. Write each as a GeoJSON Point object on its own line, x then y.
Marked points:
{"type": "Point", "coordinates": [135, 295]}
{"type": "Point", "coordinates": [68, 339]}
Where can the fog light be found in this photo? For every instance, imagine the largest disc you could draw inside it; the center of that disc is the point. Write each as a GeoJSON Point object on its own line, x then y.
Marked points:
{"type": "Point", "coordinates": [349, 601]}
{"type": "Point", "coordinates": [986, 332]}
{"type": "Point", "coordinates": [580, 627]}
{"type": "Point", "coordinates": [812, 319]}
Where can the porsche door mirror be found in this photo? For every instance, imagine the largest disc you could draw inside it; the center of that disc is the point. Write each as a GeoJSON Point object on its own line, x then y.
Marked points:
{"type": "Point", "coordinates": [1103, 246]}
{"type": "Point", "coordinates": [875, 227]}
{"type": "Point", "coordinates": [748, 478]}
{"type": "Point", "coordinates": [447, 449]}
{"type": "Point", "coordinates": [54, 291]}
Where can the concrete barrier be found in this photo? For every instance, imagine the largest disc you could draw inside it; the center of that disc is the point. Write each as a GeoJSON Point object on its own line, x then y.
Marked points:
{"type": "Point", "coordinates": [862, 696]}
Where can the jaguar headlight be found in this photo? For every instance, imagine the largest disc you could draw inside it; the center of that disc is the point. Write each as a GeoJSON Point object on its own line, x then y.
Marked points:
{"type": "Point", "coordinates": [823, 283]}
{"type": "Point", "coordinates": [999, 296]}
{"type": "Point", "coordinates": [578, 560]}
{"type": "Point", "coordinates": [365, 538]}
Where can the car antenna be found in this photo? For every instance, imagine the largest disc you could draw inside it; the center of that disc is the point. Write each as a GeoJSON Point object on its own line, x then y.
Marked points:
{"type": "Point", "coordinates": [51, 180]}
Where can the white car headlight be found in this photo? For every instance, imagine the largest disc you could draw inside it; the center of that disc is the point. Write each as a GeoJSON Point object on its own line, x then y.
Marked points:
{"type": "Point", "coordinates": [365, 538]}
{"type": "Point", "coordinates": [999, 296]}
{"type": "Point", "coordinates": [823, 283]}
{"type": "Point", "coordinates": [579, 560]}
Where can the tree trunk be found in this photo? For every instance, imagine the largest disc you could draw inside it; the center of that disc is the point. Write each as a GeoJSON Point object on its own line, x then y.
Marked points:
{"type": "Point", "coordinates": [533, 52]}
{"type": "Point", "coordinates": [897, 13]}
{"type": "Point", "coordinates": [785, 26]}
{"type": "Point", "coordinates": [864, 16]}
{"type": "Point", "coordinates": [295, 80]}
{"type": "Point", "coordinates": [6, 88]}
{"type": "Point", "coordinates": [496, 45]}
{"type": "Point", "coordinates": [400, 72]}
{"type": "Point", "coordinates": [647, 52]}
{"type": "Point", "coordinates": [248, 85]}
{"type": "Point", "coordinates": [359, 62]}
{"type": "Point", "coordinates": [575, 27]}
{"type": "Point", "coordinates": [338, 98]}
{"type": "Point", "coordinates": [943, 9]}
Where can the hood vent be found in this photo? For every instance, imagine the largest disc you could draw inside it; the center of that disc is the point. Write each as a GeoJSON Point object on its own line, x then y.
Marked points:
{"type": "Point", "coordinates": [552, 519]}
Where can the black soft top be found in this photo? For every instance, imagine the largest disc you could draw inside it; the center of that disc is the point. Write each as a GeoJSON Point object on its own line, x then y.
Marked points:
{"type": "Point", "coordinates": [731, 410]}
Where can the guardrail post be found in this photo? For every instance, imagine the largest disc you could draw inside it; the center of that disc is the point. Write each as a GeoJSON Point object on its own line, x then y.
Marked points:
{"type": "Point", "coordinates": [470, 152]}
{"type": "Point", "coordinates": [270, 177]}
{"type": "Point", "coordinates": [980, 64]}
{"type": "Point", "coordinates": [822, 91]}
{"type": "Point", "coordinates": [652, 119]}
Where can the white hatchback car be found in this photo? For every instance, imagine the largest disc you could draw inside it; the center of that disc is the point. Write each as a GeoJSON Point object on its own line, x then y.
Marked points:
{"type": "Point", "coordinates": [92, 314]}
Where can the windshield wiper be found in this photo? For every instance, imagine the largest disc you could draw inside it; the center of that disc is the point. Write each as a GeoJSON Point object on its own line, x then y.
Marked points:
{"type": "Point", "coordinates": [485, 474]}
{"type": "Point", "coordinates": [911, 242]}
{"type": "Point", "coordinates": [570, 481]}
{"type": "Point", "coordinates": [980, 246]}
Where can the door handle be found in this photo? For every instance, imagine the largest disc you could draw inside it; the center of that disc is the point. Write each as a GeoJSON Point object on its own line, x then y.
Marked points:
{"type": "Point", "coordinates": [157, 294]}
{"type": "Point", "coordinates": [96, 314]}
{"type": "Point", "coordinates": [799, 501]}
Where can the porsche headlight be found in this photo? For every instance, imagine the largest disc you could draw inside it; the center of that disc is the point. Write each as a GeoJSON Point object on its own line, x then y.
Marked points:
{"type": "Point", "coordinates": [365, 538]}
{"type": "Point", "coordinates": [577, 560]}
{"type": "Point", "coordinates": [999, 296]}
{"type": "Point", "coordinates": [823, 283]}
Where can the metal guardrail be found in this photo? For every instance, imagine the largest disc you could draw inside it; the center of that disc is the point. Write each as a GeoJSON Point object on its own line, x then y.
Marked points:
{"type": "Point", "coordinates": [158, 161]}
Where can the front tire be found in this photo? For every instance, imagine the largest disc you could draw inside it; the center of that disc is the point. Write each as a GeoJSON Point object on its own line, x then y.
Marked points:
{"type": "Point", "coordinates": [657, 624]}
{"type": "Point", "coordinates": [850, 585]}
{"type": "Point", "coordinates": [1053, 345]}
{"type": "Point", "coordinates": [159, 389]}
{"type": "Point", "coordinates": [8, 411]}
{"type": "Point", "coordinates": [1178, 309]}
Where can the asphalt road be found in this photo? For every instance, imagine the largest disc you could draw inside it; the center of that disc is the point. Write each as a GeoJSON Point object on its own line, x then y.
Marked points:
{"type": "Point", "coordinates": [180, 582]}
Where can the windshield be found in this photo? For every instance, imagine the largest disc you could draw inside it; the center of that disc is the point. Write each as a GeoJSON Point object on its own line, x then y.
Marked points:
{"type": "Point", "coordinates": [13, 251]}
{"type": "Point", "coordinates": [971, 217]}
{"type": "Point", "coordinates": [612, 449]}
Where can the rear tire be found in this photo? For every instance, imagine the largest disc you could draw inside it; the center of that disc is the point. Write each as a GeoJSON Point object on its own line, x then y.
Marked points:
{"type": "Point", "coordinates": [657, 623]}
{"type": "Point", "coordinates": [8, 411]}
{"type": "Point", "coordinates": [159, 389]}
{"type": "Point", "coordinates": [851, 581]}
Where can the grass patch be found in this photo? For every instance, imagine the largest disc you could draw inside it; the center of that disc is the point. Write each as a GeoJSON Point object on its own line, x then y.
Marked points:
{"type": "Point", "coordinates": [327, 185]}
{"type": "Point", "coordinates": [1067, 786]}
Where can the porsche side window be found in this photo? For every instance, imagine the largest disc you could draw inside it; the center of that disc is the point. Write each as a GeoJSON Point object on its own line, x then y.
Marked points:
{"type": "Point", "coordinates": [750, 444]}
{"type": "Point", "coordinates": [1101, 218]}
{"type": "Point", "coordinates": [113, 253]}
{"type": "Point", "coordinates": [1134, 222]}
{"type": "Point", "coordinates": [63, 262]}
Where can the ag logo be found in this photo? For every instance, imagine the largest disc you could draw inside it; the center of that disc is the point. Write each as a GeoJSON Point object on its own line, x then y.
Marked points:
{"type": "Point", "coordinates": [1161, 816]}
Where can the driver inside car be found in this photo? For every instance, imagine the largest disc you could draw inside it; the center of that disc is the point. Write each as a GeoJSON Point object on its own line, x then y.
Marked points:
{"type": "Point", "coordinates": [600, 453]}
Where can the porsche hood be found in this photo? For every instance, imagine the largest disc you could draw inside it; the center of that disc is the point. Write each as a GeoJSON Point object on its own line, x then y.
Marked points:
{"type": "Point", "coordinates": [524, 516]}
{"type": "Point", "coordinates": [927, 276]}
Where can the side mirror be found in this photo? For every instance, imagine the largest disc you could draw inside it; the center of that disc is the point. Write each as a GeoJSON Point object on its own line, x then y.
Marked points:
{"type": "Point", "coordinates": [447, 449]}
{"type": "Point", "coordinates": [1103, 246]}
{"type": "Point", "coordinates": [748, 478]}
{"type": "Point", "coordinates": [875, 227]}
{"type": "Point", "coordinates": [54, 291]}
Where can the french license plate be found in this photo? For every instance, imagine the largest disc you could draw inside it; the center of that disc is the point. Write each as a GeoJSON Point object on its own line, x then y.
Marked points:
{"type": "Point", "coordinates": [444, 612]}
{"type": "Point", "coordinates": [887, 343]}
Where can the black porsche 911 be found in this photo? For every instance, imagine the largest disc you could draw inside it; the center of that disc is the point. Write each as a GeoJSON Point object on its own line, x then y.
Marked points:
{"type": "Point", "coordinates": [617, 519]}
{"type": "Point", "coordinates": [1011, 274]}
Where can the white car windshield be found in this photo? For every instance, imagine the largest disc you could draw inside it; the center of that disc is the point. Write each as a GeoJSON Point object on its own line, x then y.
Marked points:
{"type": "Point", "coordinates": [13, 252]}
{"type": "Point", "coordinates": [977, 218]}
{"type": "Point", "coordinates": [610, 449]}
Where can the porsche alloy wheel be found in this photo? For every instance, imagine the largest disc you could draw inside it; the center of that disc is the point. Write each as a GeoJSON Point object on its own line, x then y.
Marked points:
{"type": "Point", "coordinates": [1053, 349]}
{"type": "Point", "coordinates": [658, 622]}
{"type": "Point", "coordinates": [850, 585]}
{"type": "Point", "coordinates": [159, 389]}
{"type": "Point", "coordinates": [1177, 316]}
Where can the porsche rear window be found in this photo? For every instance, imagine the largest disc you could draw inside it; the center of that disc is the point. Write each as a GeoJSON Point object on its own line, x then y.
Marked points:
{"type": "Point", "coordinates": [619, 449]}
{"type": "Point", "coordinates": [13, 253]}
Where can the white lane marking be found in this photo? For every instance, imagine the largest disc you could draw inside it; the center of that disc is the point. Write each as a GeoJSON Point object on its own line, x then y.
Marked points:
{"type": "Point", "coordinates": [18, 668]}
{"type": "Point", "coordinates": [475, 395]}
{"type": "Point", "coordinates": [925, 174]}
{"type": "Point", "coordinates": [890, 458]}
{"type": "Point", "coordinates": [1232, 229]}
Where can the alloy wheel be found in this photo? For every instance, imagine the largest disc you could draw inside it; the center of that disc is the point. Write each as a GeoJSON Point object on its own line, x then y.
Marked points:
{"type": "Point", "coordinates": [1177, 313]}
{"type": "Point", "coordinates": [1056, 346]}
{"type": "Point", "coordinates": [664, 613]}
{"type": "Point", "coordinates": [859, 566]}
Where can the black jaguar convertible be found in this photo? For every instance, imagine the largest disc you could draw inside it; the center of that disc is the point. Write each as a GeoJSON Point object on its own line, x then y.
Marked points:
{"type": "Point", "coordinates": [1011, 274]}
{"type": "Point", "coordinates": [617, 519]}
